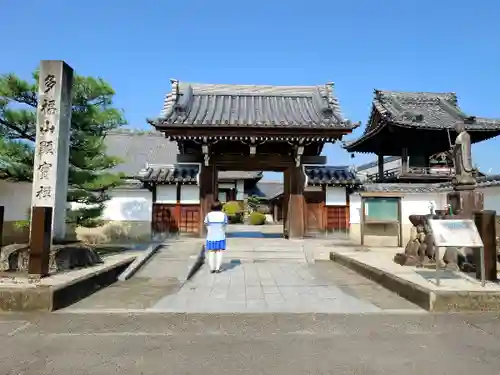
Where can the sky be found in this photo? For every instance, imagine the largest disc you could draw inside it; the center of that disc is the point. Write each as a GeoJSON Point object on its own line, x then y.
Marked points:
{"type": "Point", "coordinates": [137, 46]}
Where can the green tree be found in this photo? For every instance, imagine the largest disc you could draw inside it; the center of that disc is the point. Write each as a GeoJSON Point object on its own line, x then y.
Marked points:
{"type": "Point", "coordinates": [93, 115]}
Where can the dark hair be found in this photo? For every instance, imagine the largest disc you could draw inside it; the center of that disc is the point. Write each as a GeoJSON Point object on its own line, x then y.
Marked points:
{"type": "Point", "coordinates": [216, 206]}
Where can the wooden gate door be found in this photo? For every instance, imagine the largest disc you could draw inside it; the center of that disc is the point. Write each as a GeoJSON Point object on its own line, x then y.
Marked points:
{"type": "Point", "coordinates": [337, 218]}
{"type": "Point", "coordinates": [163, 221]}
{"type": "Point", "coordinates": [190, 219]}
{"type": "Point", "coordinates": [314, 205]}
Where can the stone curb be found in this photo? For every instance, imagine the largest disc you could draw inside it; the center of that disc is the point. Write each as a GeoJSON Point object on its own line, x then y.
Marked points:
{"type": "Point", "coordinates": [442, 301]}
{"type": "Point", "coordinates": [413, 293]}
{"type": "Point", "coordinates": [139, 262]}
{"type": "Point", "coordinates": [50, 298]}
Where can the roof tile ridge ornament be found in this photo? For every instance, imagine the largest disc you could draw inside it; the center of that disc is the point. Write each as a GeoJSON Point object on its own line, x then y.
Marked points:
{"type": "Point", "coordinates": [170, 99]}
{"type": "Point", "coordinates": [334, 103]}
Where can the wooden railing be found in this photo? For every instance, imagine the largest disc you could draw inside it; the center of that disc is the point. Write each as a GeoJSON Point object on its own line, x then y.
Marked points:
{"type": "Point", "coordinates": [412, 171]}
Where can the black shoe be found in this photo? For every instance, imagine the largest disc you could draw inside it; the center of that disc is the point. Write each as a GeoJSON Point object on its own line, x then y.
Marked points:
{"type": "Point", "coordinates": [213, 271]}
{"type": "Point", "coordinates": [218, 271]}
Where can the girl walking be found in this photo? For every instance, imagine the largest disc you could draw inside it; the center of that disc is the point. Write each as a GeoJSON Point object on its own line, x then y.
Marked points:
{"type": "Point", "coordinates": [216, 222]}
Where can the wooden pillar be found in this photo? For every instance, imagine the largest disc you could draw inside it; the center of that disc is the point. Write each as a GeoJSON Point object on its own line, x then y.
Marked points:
{"type": "Point", "coordinates": [208, 192]}
{"type": "Point", "coordinates": [40, 241]}
{"type": "Point", "coordinates": [296, 203]}
{"type": "Point", "coordinates": [177, 214]}
{"type": "Point", "coordinates": [284, 204]}
{"type": "Point", "coordinates": [2, 214]}
{"type": "Point", "coordinates": [380, 164]}
{"type": "Point", "coordinates": [404, 160]}
{"type": "Point", "coordinates": [486, 226]}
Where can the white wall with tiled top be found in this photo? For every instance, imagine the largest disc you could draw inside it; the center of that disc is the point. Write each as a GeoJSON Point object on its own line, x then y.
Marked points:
{"type": "Point", "coordinates": [129, 205]}
{"type": "Point", "coordinates": [16, 199]}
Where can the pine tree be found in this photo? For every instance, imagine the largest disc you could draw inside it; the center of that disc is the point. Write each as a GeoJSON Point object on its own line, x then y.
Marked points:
{"type": "Point", "coordinates": [93, 115]}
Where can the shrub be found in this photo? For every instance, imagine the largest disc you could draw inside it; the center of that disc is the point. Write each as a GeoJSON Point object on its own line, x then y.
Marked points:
{"type": "Point", "coordinates": [231, 208]}
{"type": "Point", "coordinates": [256, 218]}
{"type": "Point", "coordinates": [233, 211]}
{"type": "Point", "coordinates": [236, 218]}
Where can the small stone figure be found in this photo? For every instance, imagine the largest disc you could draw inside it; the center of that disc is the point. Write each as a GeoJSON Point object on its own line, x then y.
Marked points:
{"type": "Point", "coordinates": [462, 160]}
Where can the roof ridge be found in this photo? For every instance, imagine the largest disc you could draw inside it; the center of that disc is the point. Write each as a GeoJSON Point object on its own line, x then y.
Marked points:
{"type": "Point", "coordinates": [450, 95]}
{"type": "Point", "coordinates": [135, 132]}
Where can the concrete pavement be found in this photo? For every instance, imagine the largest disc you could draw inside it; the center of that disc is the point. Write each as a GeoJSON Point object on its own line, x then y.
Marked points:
{"type": "Point", "coordinates": [291, 344]}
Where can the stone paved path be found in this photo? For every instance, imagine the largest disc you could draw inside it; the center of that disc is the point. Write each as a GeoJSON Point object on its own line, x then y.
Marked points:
{"type": "Point", "coordinates": [263, 287]}
{"type": "Point", "coordinates": [262, 274]}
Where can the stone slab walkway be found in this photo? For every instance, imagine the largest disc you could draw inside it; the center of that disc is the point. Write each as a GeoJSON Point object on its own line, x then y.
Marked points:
{"type": "Point", "coordinates": [261, 275]}
{"type": "Point", "coordinates": [262, 287]}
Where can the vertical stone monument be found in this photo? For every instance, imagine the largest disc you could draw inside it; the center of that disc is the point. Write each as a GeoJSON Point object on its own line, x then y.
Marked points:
{"type": "Point", "coordinates": [464, 200]}
{"type": "Point", "coordinates": [50, 172]}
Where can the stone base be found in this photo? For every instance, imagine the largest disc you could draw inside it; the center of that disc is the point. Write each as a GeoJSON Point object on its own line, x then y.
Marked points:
{"type": "Point", "coordinates": [28, 295]}
{"type": "Point", "coordinates": [433, 300]}
{"type": "Point", "coordinates": [465, 202]}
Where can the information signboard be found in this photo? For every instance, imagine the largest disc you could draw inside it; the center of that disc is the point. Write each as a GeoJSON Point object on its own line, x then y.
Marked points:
{"type": "Point", "coordinates": [455, 233]}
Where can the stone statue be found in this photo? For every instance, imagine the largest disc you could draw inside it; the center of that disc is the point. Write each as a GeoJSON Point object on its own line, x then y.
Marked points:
{"type": "Point", "coordinates": [462, 160]}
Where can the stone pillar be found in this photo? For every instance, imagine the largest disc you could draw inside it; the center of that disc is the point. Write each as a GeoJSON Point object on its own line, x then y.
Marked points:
{"type": "Point", "coordinates": [208, 192]}
{"type": "Point", "coordinates": [380, 164]}
{"type": "Point", "coordinates": [465, 202]}
{"type": "Point", "coordinates": [296, 203]}
{"type": "Point", "coordinates": [50, 172]}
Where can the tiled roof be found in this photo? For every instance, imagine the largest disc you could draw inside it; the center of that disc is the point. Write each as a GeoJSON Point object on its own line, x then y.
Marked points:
{"type": "Point", "coordinates": [191, 104]}
{"type": "Point", "coordinates": [330, 175]}
{"type": "Point", "coordinates": [170, 174]}
{"type": "Point", "coordinates": [400, 187]}
{"type": "Point", "coordinates": [239, 175]}
{"type": "Point", "coordinates": [421, 111]}
{"type": "Point", "coordinates": [269, 189]}
{"type": "Point", "coordinates": [482, 182]}
{"type": "Point", "coordinates": [136, 149]}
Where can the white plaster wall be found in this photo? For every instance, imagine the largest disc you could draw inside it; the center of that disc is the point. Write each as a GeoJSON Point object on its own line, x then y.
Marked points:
{"type": "Point", "coordinates": [16, 198]}
{"type": "Point", "coordinates": [190, 194]}
{"type": "Point", "coordinates": [129, 205]}
{"type": "Point", "coordinates": [355, 209]}
{"type": "Point", "coordinates": [491, 198]}
{"type": "Point", "coordinates": [418, 204]}
{"type": "Point", "coordinates": [240, 190]}
{"type": "Point", "coordinates": [335, 196]}
{"type": "Point", "coordinates": [166, 194]}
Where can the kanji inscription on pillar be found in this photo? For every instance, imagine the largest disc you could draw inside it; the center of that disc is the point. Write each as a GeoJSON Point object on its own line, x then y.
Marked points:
{"type": "Point", "coordinates": [50, 172]}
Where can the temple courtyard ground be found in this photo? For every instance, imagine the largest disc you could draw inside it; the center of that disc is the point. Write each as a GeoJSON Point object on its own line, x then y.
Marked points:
{"type": "Point", "coordinates": [263, 273]}
{"type": "Point", "coordinates": [270, 312]}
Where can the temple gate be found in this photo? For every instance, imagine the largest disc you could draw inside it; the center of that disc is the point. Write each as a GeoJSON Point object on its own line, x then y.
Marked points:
{"type": "Point", "coordinates": [238, 127]}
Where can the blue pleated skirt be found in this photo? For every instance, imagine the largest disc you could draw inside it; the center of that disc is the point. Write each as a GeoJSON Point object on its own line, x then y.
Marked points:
{"type": "Point", "coordinates": [215, 245]}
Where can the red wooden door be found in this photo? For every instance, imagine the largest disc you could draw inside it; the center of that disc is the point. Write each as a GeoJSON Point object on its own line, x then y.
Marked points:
{"type": "Point", "coordinates": [337, 217]}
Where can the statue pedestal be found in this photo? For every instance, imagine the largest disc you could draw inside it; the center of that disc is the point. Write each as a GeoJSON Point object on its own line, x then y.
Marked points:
{"type": "Point", "coordinates": [465, 202]}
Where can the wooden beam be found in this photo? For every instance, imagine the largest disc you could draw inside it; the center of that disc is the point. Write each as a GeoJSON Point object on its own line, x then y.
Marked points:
{"type": "Point", "coordinates": [198, 158]}
{"type": "Point", "coordinates": [238, 131]}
